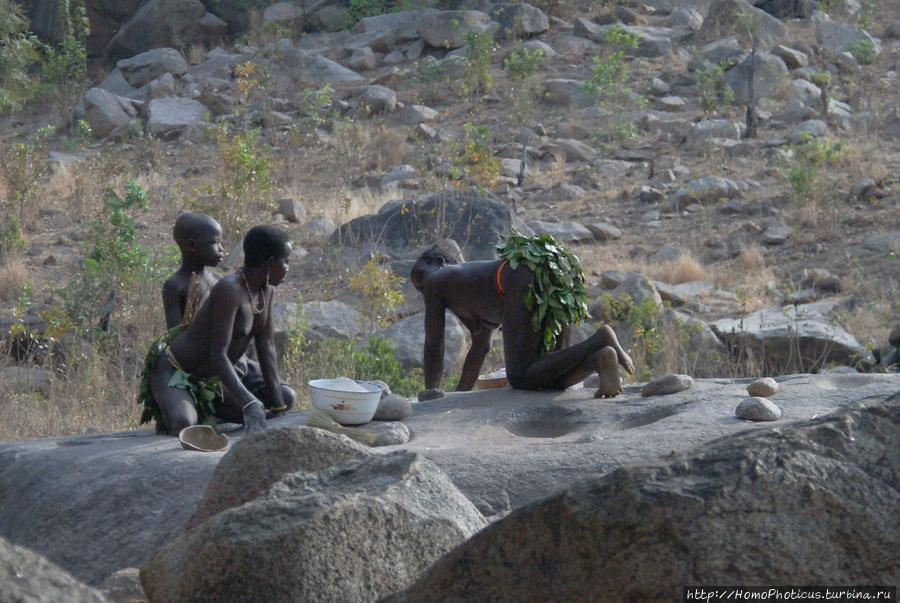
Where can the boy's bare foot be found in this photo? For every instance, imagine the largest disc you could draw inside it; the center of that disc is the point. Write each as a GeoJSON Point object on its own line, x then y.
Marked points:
{"type": "Point", "coordinates": [610, 384]}
{"type": "Point", "coordinates": [608, 337]}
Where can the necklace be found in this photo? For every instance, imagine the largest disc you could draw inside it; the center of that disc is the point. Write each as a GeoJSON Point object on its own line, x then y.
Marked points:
{"type": "Point", "coordinates": [261, 299]}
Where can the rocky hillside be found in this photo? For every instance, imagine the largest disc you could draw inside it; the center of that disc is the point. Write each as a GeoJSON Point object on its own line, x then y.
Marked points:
{"type": "Point", "coordinates": [738, 157]}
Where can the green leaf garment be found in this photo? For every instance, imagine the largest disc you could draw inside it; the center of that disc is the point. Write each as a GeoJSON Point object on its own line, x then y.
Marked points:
{"type": "Point", "coordinates": [557, 295]}
{"type": "Point", "coordinates": [206, 393]}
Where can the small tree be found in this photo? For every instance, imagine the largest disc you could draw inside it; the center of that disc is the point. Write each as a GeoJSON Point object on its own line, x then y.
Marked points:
{"type": "Point", "coordinates": [19, 50]}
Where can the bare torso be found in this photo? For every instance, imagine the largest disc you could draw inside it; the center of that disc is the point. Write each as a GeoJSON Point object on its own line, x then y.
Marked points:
{"type": "Point", "coordinates": [228, 305]}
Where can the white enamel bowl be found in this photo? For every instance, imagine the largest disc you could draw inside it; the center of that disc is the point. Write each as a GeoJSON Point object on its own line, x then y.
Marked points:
{"type": "Point", "coordinates": [346, 408]}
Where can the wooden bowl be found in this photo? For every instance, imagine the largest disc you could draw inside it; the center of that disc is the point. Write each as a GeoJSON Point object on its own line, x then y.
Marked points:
{"type": "Point", "coordinates": [202, 438]}
{"type": "Point", "coordinates": [493, 380]}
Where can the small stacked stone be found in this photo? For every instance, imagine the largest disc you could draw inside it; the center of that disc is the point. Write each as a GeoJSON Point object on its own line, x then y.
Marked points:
{"type": "Point", "coordinates": [758, 407]}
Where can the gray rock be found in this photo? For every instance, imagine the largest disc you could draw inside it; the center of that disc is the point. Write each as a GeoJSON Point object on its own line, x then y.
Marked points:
{"type": "Point", "coordinates": [447, 29]}
{"type": "Point", "coordinates": [362, 59]}
{"type": "Point", "coordinates": [503, 448]}
{"type": "Point", "coordinates": [567, 93]}
{"type": "Point", "coordinates": [708, 190]}
{"type": "Point", "coordinates": [575, 150]}
{"type": "Point", "coordinates": [318, 229]}
{"type": "Point", "coordinates": [389, 433]}
{"type": "Point", "coordinates": [26, 379]}
{"type": "Point", "coordinates": [412, 115]}
{"type": "Point", "coordinates": [518, 19]}
{"type": "Point", "coordinates": [723, 20]}
{"type": "Point", "coordinates": [603, 231]}
{"type": "Point", "coordinates": [398, 173]}
{"type": "Point", "coordinates": [704, 130]}
{"type": "Point", "coordinates": [407, 337]}
{"type": "Point", "coordinates": [253, 464]}
{"type": "Point", "coordinates": [376, 100]}
{"type": "Point", "coordinates": [393, 408]}
{"type": "Point", "coordinates": [723, 51]}
{"type": "Point", "coordinates": [837, 38]}
{"type": "Point", "coordinates": [292, 210]}
{"type": "Point", "coordinates": [791, 338]}
{"type": "Point", "coordinates": [329, 526]}
{"type": "Point", "coordinates": [777, 233]}
{"type": "Point", "coordinates": [478, 221]}
{"type": "Point", "coordinates": [105, 111]}
{"type": "Point", "coordinates": [569, 233]}
{"type": "Point", "coordinates": [757, 409]}
{"type": "Point", "coordinates": [794, 59]}
{"type": "Point", "coordinates": [763, 388]}
{"type": "Point", "coordinates": [116, 83]}
{"type": "Point", "coordinates": [124, 586]}
{"type": "Point", "coordinates": [767, 71]}
{"type": "Point", "coordinates": [331, 319]}
{"type": "Point", "coordinates": [27, 576]}
{"type": "Point", "coordinates": [286, 13]}
{"type": "Point", "coordinates": [776, 506]}
{"type": "Point", "coordinates": [669, 384]}
{"type": "Point", "coordinates": [147, 66]}
{"type": "Point", "coordinates": [171, 117]}
{"type": "Point", "coordinates": [318, 69]}
{"type": "Point", "coordinates": [218, 64]}
{"type": "Point", "coordinates": [159, 24]}
{"type": "Point", "coordinates": [811, 128]}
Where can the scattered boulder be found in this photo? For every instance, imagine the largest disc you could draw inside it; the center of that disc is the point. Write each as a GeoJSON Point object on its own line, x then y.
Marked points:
{"type": "Point", "coordinates": [763, 388]}
{"type": "Point", "coordinates": [757, 408]}
{"type": "Point", "coordinates": [172, 117]}
{"type": "Point", "coordinates": [105, 111]}
{"type": "Point", "coordinates": [776, 506]}
{"type": "Point", "coordinates": [145, 67]}
{"type": "Point", "coordinates": [447, 29]}
{"type": "Point", "coordinates": [791, 339]}
{"type": "Point", "coordinates": [477, 221]}
{"type": "Point", "coordinates": [27, 576]}
{"type": "Point", "coordinates": [568, 233]}
{"type": "Point", "coordinates": [398, 508]}
{"type": "Point", "coordinates": [392, 408]}
{"type": "Point", "coordinates": [518, 19]}
{"type": "Point", "coordinates": [407, 337]}
{"type": "Point", "coordinates": [253, 464]}
{"type": "Point", "coordinates": [669, 384]}
{"type": "Point", "coordinates": [722, 20]}
{"type": "Point", "coordinates": [159, 23]}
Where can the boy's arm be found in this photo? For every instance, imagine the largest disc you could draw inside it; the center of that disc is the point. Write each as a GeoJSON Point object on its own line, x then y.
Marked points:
{"type": "Point", "coordinates": [433, 354]}
{"type": "Point", "coordinates": [173, 302]}
{"type": "Point", "coordinates": [268, 358]}
{"type": "Point", "coordinates": [481, 345]}
{"type": "Point", "coordinates": [225, 300]}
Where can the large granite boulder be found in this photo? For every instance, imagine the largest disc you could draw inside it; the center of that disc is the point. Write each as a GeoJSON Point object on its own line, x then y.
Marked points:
{"type": "Point", "coordinates": [254, 464]}
{"type": "Point", "coordinates": [158, 23]}
{"type": "Point", "coordinates": [814, 503]}
{"type": "Point", "coordinates": [96, 504]}
{"type": "Point", "coordinates": [476, 221]}
{"type": "Point", "coordinates": [26, 576]}
{"type": "Point", "coordinates": [356, 532]}
{"type": "Point", "coordinates": [792, 338]}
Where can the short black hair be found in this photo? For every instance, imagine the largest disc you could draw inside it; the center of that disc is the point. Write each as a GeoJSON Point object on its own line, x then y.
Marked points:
{"type": "Point", "coordinates": [434, 255]}
{"type": "Point", "coordinates": [189, 224]}
{"type": "Point", "coordinates": [264, 242]}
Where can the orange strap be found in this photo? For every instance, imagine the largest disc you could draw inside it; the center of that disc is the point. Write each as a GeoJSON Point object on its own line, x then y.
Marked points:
{"type": "Point", "coordinates": [498, 278]}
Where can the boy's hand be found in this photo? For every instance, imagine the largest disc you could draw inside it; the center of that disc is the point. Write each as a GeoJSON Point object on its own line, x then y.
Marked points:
{"type": "Point", "coordinates": [254, 417]}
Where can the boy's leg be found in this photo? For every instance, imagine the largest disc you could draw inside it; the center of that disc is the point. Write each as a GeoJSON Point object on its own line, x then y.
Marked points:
{"type": "Point", "coordinates": [175, 404]}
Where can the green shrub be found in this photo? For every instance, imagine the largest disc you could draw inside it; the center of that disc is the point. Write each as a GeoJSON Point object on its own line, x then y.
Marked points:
{"type": "Point", "coordinates": [522, 62]}
{"type": "Point", "coordinates": [863, 50]}
{"type": "Point", "coordinates": [19, 50]}
{"type": "Point", "coordinates": [115, 261]}
{"type": "Point", "coordinates": [475, 161]}
{"type": "Point", "coordinates": [609, 82]}
{"type": "Point", "coordinates": [478, 76]}
{"type": "Point", "coordinates": [713, 89]}
{"type": "Point", "coordinates": [810, 156]}
{"type": "Point", "coordinates": [64, 75]}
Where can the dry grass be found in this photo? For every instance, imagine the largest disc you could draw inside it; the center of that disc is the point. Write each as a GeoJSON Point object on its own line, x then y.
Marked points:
{"type": "Point", "coordinates": [684, 269]}
{"type": "Point", "coordinates": [13, 277]}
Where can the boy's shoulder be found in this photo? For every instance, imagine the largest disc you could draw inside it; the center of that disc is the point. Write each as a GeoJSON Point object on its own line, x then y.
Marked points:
{"type": "Point", "coordinates": [177, 281]}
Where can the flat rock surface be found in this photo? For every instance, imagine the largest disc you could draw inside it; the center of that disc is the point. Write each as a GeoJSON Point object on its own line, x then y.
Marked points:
{"type": "Point", "coordinates": [99, 503]}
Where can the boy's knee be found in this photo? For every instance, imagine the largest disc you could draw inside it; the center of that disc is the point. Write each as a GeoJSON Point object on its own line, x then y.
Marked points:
{"type": "Point", "coordinates": [288, 395]}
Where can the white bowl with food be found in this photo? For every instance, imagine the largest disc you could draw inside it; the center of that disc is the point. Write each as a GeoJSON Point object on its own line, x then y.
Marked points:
{"type": "Point", "coordinates": [347, 401]}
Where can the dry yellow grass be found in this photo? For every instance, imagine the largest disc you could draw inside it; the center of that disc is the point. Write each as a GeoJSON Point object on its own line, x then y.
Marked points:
{"type": "Point", "coordinates": [13, 277]}
{"type": "Point", "coordinates": [684, 269]}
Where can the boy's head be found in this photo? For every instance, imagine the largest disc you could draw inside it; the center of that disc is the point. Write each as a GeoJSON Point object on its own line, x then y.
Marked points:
{"type": "Point", "coordinates": [431, 260]}
{"type": "Point", "coordinates": [263, 243]}
{"type": "Point", "coordinates": [199, 237]}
